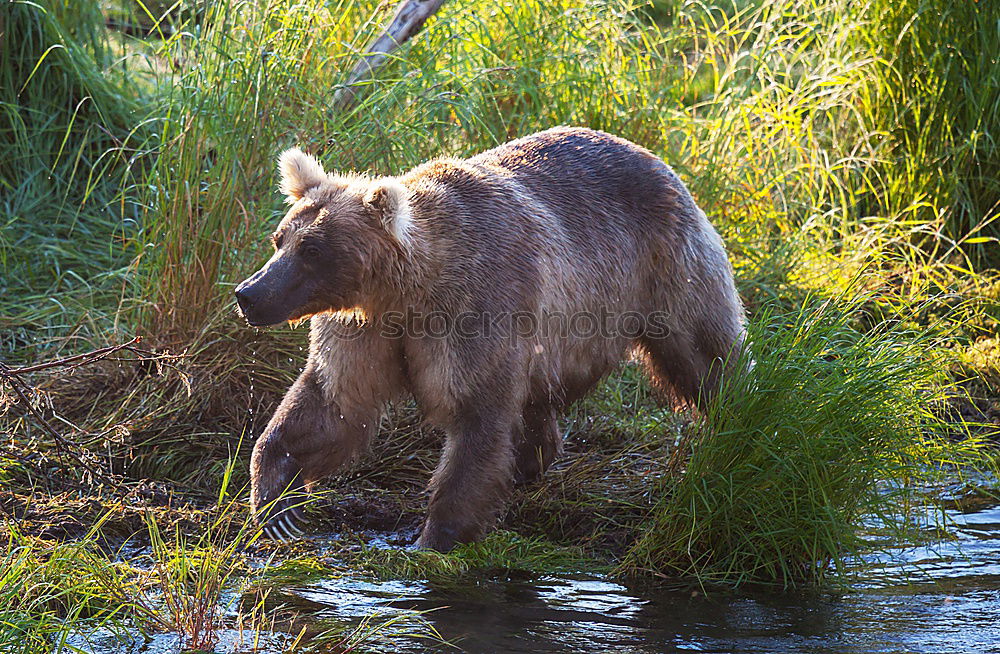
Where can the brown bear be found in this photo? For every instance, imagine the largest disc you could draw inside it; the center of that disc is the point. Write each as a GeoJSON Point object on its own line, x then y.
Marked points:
{"type": "Point", "coordinates": [496, 291]}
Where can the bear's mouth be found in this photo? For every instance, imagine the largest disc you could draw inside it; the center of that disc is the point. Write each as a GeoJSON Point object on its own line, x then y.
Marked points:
{"type": "Point", "coordinates": [260, 317]}
{"type": "Point", "coordinates": [264, 323]}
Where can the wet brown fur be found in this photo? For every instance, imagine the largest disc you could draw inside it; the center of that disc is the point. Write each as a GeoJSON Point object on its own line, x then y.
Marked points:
{"type": "Point", "coordinates": [568, 220]}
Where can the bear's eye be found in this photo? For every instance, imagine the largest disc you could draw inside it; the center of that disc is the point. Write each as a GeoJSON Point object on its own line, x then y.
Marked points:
{"type": "Point", "coordinates": [311, 251]}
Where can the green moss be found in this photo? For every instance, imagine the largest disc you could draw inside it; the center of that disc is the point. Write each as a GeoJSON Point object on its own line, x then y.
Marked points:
{"type": "Point", "coordinates": [499, 552]}
{"type": "Point", "coordinates": [296, 570]}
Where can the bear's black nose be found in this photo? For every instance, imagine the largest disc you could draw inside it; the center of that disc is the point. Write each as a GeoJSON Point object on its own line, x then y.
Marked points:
{"type": "Point", "coordinates": [244, 298]}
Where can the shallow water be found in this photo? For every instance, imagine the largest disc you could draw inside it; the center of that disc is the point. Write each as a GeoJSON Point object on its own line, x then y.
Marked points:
{"type": "Point", "coordinates": [927, 599]}
{"type": "Point", "coordinates": [940, 599]}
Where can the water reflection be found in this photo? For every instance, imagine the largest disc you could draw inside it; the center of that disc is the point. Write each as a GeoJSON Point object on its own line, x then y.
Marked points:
{"type": "Point", "coordinates": [940, 599]}
{"type": "Point", "coordinates": [564, 615]}
{"type": "Point", "coordinates": [944, 598]}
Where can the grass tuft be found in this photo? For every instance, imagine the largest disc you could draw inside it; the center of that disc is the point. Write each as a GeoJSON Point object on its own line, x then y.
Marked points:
{"type": "Point", "coordinates": [791, 457]}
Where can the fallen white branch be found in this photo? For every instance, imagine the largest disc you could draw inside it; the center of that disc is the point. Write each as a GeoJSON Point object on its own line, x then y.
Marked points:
{"type": "Point", "coordinates": [410, 16]}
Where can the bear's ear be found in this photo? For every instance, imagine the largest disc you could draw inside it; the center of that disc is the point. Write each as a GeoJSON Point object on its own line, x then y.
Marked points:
{"type": "Point", "coordinates": [386, 200]}
{"type": "Point", "coordinates": [299, 173]}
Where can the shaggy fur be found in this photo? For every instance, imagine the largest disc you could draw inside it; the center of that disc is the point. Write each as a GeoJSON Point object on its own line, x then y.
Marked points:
{"type": "Point", "coordinates": [568, 221]}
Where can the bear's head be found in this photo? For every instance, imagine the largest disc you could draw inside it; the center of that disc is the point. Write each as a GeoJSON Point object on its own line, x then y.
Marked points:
{"type": "Point", "coordinates": [340, 232]}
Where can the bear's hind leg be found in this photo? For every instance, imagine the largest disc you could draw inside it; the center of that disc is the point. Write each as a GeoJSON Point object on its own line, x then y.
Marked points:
{"type": "Point", "coordinates": [689, 367]}
{"type": "Point", "coordinates": [537, 442]}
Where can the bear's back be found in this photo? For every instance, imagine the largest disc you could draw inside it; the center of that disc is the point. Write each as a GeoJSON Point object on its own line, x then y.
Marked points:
{"type": "Point", "coordinates": [570, 212]}
{"type": "Point", "coordinates": [586, 176]}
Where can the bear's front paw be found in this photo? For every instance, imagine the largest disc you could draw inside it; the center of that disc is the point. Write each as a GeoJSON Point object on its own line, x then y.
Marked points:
{"type": "Point", "coordinates": [277, 495]}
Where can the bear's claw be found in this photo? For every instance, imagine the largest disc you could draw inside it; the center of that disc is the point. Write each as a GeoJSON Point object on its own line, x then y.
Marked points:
{"type": "Point", "coordinates": [284, 526]}
{"type": "Point", "coordinates": [286, 529]}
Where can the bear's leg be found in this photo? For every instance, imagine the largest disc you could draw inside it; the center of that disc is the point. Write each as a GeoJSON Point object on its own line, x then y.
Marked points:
{"type": "Point", "coordinates": [307, 438]}
{"type": "Point", "coordinates": [473, 479]}
{"type": "Point", "coordinates": [689, 367]}
{"type": "Point", "coordinates": [538, 442]}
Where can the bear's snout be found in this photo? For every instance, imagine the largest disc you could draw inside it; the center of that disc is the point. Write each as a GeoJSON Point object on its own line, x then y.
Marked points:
{"type": "Point", "coordinates": [248, 298]}
{"type": "Point", "coordinates": [273, 294]}
{"type": "Point", "coordinates": [251, 302]}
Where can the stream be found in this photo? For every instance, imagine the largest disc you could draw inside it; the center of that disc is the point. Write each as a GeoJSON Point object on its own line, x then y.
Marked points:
{"type": "Point", "coordinates": [944, 598]}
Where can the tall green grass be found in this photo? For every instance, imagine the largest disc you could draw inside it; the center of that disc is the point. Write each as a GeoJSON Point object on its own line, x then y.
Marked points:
{"type": "Point", "coordinates": [245, 73]}
{"type": "Point", "coordinates": [68, 117]}
{"type": "Point", "coordinates": [794, 123]}
{"type": "Point", "coordinates": [834, 424]}
{"type": "Point", "coordinates": [57, 597]}
{"type": "Point", "coordinates": [933, 95]}
{"type": "Point", "coordinates": [49, 591]}
{"type": "Point", "coordinates": [191, 574]}
{"type": "Point", "coordinates": [473, 80]}
{"type": "Point", "coordinates": [780, 115]}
